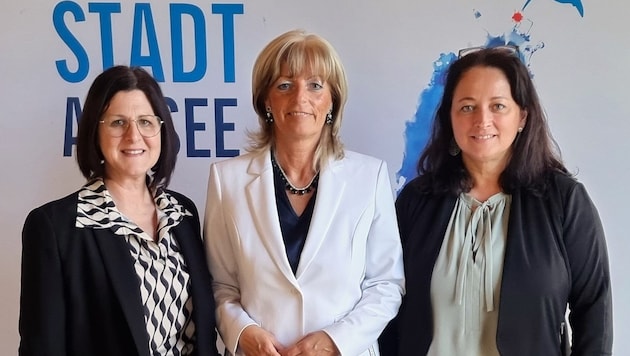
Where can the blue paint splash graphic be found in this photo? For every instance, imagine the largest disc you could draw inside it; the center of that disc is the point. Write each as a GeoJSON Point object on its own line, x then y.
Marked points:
{"type": "Point", "coordinates": [576, 3]}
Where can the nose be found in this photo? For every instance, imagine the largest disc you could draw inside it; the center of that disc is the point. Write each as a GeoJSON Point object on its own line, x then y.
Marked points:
{"type": "Point", "coordinates": [133, 132]}
{"type": "Point", "coordinates": [300, 93]}
{"type": "Point", "coordinates": [482, 118]}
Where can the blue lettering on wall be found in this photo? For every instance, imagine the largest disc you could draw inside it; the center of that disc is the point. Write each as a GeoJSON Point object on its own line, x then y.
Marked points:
{"type": "Point", "coordinates": [105, 11]}
{"type": "Point", "coordinates": [172, 106]}
{"type": "Point", "coordinates": [221, 126]}
{"type": "Point", "coordinates": [144, 37]}
{"type": "Point", "coordinates": [143, 15]}
{"type": "Point", "coordinates": [228, 11]}
{"type": "Point", "coordinates": [73, 113]}
{"type": "Point", "coordinates": [71, 41]}
{"type": "Point", "coordinates": [192, 126]}
{"type": "Point", "coordinates": [177, 46]}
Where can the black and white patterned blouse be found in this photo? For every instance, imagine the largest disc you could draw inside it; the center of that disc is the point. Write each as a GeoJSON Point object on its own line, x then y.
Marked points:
{"type": "Point", "coordinates": [162, 272]}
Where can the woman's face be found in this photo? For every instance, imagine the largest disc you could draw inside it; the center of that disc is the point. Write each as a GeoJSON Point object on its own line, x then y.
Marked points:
{"type": "Point", "coordinates": [131, 155]}
{"type": "Point", "coordinates": [485, 117]}
{"type": "Point", "coordinates": [299, 105]}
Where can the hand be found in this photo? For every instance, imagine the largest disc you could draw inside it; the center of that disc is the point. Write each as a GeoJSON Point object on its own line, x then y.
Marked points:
{"type": "Point", "coordinates": [256, 341]}
{"type": "Point", "coordinates": [314, 344]}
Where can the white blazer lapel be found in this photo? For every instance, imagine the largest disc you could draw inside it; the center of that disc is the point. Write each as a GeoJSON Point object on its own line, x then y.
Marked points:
{"type": "Point", "coordinates": [261, 200]}
{"type": "Point", "coordinates": [330, 191]}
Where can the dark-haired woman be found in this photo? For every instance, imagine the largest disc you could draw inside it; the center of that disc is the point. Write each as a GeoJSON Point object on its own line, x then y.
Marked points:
{"type": "Point", "coordinates": [117, 268]}
{"type": "Point", "coordinates": [498, 238]}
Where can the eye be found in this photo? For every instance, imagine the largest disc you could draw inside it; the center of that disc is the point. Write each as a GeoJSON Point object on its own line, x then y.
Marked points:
{"type": "Point", "coordinates": [315, 85]}
{"type": "Point", "coordinates": [284, 86]}
{"type": "Point", "coordinates": [118, 123]}
{"type": "Point", "coordinates": [467, 108]}
{"type": "Point", "coordinates": [498, 107]}
{"type": "Point", "coordinates": [146, 121]}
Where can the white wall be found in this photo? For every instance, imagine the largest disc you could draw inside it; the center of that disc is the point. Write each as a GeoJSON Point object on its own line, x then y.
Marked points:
{"type": "Point", "coordinates": [388, 48]}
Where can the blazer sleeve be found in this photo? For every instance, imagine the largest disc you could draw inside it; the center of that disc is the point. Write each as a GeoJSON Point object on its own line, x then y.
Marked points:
{"type": "Point", "coordinates": [590, 300]}
{"type": "Point", "coordinates": [42, 308]}
{"type": "Point", "coordinates": [231, 317]}
{"type": "Point", "coordinates": [383, 284]}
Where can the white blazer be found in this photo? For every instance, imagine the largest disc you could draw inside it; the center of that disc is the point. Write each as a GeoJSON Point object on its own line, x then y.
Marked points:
{"type": "Point", "coordinates": [349, 281]}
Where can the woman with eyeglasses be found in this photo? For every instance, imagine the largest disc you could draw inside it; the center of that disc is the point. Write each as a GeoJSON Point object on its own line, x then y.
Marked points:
{"type": "Point", "coordinates": [498, 237]}
{"type": "Point", "coordinates": [117, 267]}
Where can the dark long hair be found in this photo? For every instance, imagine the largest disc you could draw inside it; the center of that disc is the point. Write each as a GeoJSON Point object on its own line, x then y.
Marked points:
{"type": "Point", "coordinates": [534, 153]}
{"type": "Point", "coordinates": [101, 92]}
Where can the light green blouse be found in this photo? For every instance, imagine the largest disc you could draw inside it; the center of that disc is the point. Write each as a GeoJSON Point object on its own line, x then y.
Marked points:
{"type": "Point", "coordinates": [466, 278]}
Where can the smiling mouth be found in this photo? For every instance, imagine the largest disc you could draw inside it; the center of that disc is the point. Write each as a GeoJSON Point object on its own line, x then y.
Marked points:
{"type": "Point", "coordinates": [133, 152]}
{"type": "Point", "coordinates": [299, 113]}
{"type": "Point", "coordinates": [484, 137]}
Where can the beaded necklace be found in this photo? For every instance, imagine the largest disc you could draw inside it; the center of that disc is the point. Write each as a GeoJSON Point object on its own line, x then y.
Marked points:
{"type": "Point", "coordinates": [290, 187]}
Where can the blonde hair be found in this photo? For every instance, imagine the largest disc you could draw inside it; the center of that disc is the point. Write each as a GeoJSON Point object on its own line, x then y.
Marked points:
{"type": "Point", "coordinates": [299, 51]}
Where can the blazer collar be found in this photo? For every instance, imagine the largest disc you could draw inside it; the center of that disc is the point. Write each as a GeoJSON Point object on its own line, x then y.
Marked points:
{"type": "Point", "coordinates": [262, 204]}
{"type": "Point", "coordinates": [330, 192]}
{"type": "Point", "coordinates": [261, 199]}
{"type": "Point", "coordinates": [116, 258]}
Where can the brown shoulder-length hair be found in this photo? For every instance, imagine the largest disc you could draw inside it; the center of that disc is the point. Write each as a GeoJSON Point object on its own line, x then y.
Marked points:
{"type": "Point", "coordinates": [534, 153]}
{"type": "Point", "coordinates": [300, 52]}
{"type": "Point", "coordinates": [105, 86]}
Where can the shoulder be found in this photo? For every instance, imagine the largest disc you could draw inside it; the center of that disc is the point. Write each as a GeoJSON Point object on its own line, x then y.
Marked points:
{"type": "Point", "coordinates": [237, 162]}
{"type": "Point", "coordinates": [563, 186]}
{"type": "Point", "coordinates": [58, 215]}
{"type": "Point", "coordinates": [413, 190]}
{"type": "Point", "coordinates": [59, 206]}
{"type": "Point", "coordinates": [357, 162]}
{"type": "Point", "coordinates": [360, 158]}
{"type": "Point", "coordinates": [360, 170]}
{"type": "Point", "coordinates": [563, 181]}
{"type": "Point", "coordinates": [182, 199]}
{"type": "Point", "coordinates": [414, 196]}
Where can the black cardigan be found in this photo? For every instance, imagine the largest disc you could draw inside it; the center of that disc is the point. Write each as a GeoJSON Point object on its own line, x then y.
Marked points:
{"type": "Point", "coordinates": [555, 254]}
{"type": "Point", "coordinates": [80, 293]}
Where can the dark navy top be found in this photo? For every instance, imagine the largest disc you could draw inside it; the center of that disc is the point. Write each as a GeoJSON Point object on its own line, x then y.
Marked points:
{"type": "Point", "coordinates": [294, 228]}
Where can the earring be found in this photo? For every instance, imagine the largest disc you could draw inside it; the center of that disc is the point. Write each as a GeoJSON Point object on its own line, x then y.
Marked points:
{"type": "Point", "coordinates": [520, 129]}
{"type": "Point", "coordinates": [453, 149]}
{"type": "Point", "coordinates": [329, 118]}
{"type": "Point", "coordinates": [269, 118]}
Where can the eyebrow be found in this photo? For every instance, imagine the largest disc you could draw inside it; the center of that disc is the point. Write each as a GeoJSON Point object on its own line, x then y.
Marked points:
{"type": "Point", "coordinates": [492, 98]}
{"type": "Point", "coordinates": [311, 77]}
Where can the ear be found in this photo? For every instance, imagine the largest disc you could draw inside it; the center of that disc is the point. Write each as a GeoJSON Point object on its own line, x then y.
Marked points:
{"type": "Point", "coordinates": [523, 118]}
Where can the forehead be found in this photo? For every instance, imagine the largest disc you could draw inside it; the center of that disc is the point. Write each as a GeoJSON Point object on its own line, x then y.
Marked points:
{"type": "Point", "coordinates": [483, 80]}
{"type": "Point", "coordinates": [304, 60]}
{"type": "Point", "coordinates": [128, 100]}
{"type": "Point", "coordinates": [305, 71]}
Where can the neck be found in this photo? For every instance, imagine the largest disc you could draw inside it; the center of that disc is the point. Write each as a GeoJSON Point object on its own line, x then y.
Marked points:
{"type": "Point", "coordinates": [135, 202]}
{"type": "Point", "coordinates": [128, 193]}
{"type": "Point", "coordinates": [296, 171]}
{"type": "Point", "coordinates": [485, 179]}
{"type": "Point", "coordinates": [296, 160]}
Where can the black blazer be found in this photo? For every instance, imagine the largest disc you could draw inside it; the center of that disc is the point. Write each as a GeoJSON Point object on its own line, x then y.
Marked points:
{"type": "Point", "coordinates": [80, 293]}
{"type": "Point", "coordinates": [555, 254]}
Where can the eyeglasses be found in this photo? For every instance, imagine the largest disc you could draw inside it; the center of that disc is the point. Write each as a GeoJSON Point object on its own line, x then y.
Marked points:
{"type": "Point", "coordinates": [507, 49]}
{"type": "Point", "coordinates": [148, 125]}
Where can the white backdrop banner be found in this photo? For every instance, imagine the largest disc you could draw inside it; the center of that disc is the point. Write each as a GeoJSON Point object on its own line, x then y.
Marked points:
{"type": "Point", "coordinates": [395, 52]}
